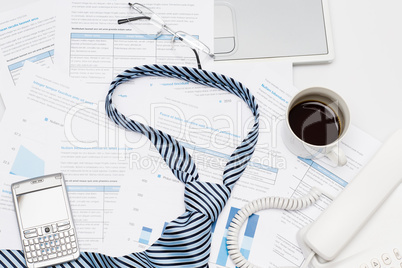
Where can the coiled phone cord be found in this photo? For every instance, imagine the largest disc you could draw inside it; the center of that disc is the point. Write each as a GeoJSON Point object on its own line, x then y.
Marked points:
{"type": "Point", "coordinates": [261, 204]}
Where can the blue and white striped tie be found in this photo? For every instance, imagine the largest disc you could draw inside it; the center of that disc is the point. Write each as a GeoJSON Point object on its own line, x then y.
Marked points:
{"type": "Point", "coordinates": [185, 241]}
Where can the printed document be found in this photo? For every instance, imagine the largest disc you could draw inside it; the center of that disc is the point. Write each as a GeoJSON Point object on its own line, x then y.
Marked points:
{"type": "Point", "coordinates": [210, 129]}
{"type": "Point", "coordinates": [92, 46]}
{"type": "Point", "coordinates": [55, 126]}
{"type": "Point", "coordinates": [9, 234]}
{"type": "Point", "coordinates": [93, 169]}
{"type": "Point", "coordinates": [26, 34]}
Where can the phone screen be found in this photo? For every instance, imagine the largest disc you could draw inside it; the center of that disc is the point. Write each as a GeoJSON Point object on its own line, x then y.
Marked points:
{"type": "Point", "coordinates": [42, 207]}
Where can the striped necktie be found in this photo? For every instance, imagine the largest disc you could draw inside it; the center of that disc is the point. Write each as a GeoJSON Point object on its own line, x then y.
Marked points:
{"type": "Point", "coordinates": [186, 241]}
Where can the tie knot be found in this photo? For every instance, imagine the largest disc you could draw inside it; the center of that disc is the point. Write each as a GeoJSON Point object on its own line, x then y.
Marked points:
{"type": "Point", "coordinates": [206, 198]}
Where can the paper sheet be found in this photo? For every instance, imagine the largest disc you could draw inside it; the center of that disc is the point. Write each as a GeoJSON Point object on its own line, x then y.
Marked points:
{"type": "Point", "coordinates": [93, 47]}
{"type": "Point", "coordinates": [31, 135]}
{"type": "Point", "coordinates": [9, 234]}
{"type": "Point", "coordinates": [145, 206]}
{"type": "Point", "coordinates": [55, 128]}
{"type": "Point", "coordinates": [26, 34]}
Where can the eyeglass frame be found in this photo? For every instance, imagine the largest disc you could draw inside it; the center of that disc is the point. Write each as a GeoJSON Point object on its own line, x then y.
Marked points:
{"type": "Point", "coordinates": [175, 34]}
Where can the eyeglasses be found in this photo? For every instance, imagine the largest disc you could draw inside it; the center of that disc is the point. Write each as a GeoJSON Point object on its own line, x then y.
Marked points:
{"type": "Point", "coordinates": [189, 40]}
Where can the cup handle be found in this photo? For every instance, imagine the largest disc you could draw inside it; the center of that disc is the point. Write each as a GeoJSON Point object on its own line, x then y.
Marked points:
{"type": "Point", "coordinates": [337, 156]}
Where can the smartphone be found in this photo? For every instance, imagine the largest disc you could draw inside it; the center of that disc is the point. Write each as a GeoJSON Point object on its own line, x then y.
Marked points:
{"type": "Point", "coordinates": [48, 234]}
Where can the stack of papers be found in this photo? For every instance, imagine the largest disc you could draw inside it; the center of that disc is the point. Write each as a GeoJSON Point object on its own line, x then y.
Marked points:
{"type": "Point", "coordinates": [57, 68]}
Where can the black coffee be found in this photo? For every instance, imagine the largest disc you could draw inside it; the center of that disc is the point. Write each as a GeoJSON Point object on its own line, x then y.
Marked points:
{"type": "Point", "coordinates": [314, 122]}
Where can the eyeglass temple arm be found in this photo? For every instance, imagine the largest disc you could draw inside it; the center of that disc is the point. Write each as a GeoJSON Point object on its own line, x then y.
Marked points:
{"type": "Point", "coordinates": [197, 57]}
{"type": "Point", "coordinates": [121, 21]}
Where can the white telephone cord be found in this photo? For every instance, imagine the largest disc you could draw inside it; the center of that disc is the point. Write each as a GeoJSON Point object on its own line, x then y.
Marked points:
{"type": "Point", "coordinates": [261, 204]}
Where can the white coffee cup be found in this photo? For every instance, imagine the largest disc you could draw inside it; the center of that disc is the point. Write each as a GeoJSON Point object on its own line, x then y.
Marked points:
{"type": "Point", "coordinates": [304, 149]}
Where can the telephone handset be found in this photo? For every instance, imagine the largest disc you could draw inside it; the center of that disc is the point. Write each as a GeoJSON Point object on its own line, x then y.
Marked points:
{"type": "Point", "coordinates": [365, 214]}
{"type": "Point", "coordinates": [358, 212]}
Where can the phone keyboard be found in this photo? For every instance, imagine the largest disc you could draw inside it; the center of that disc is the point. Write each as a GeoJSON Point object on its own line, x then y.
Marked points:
{"type": "Point", "coordinates": [50, 246]}
{"type": "Point", "coordinates": [386, 259]}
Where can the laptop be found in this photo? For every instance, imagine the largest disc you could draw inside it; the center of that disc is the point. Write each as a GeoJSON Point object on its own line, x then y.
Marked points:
{"type": "Point", "coordinates": [296, 30]}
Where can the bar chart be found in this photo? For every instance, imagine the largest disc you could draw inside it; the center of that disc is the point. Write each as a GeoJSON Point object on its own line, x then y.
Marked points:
{"type": "Point", "coordinates": [247, 240]}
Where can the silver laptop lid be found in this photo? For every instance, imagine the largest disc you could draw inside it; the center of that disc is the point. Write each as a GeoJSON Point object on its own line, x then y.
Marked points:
{"type": "Point", "coordinates": [297, 30]}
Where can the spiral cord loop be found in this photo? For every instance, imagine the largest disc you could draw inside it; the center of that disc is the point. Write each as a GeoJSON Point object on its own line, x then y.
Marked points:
{"type": "Point", "coordinates": [272, 202]}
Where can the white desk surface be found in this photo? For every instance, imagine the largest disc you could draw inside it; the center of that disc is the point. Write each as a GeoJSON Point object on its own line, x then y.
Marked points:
{"type": "Point", "coordinates": [367, 69]}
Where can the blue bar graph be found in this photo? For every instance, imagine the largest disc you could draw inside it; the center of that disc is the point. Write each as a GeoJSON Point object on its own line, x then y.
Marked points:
{"type": "Point", "coordinates": [247, 239]}
{"type": "Point", "coordinates": [249, 235]}
{"type": "Point", "coordinates": [145, 235]}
